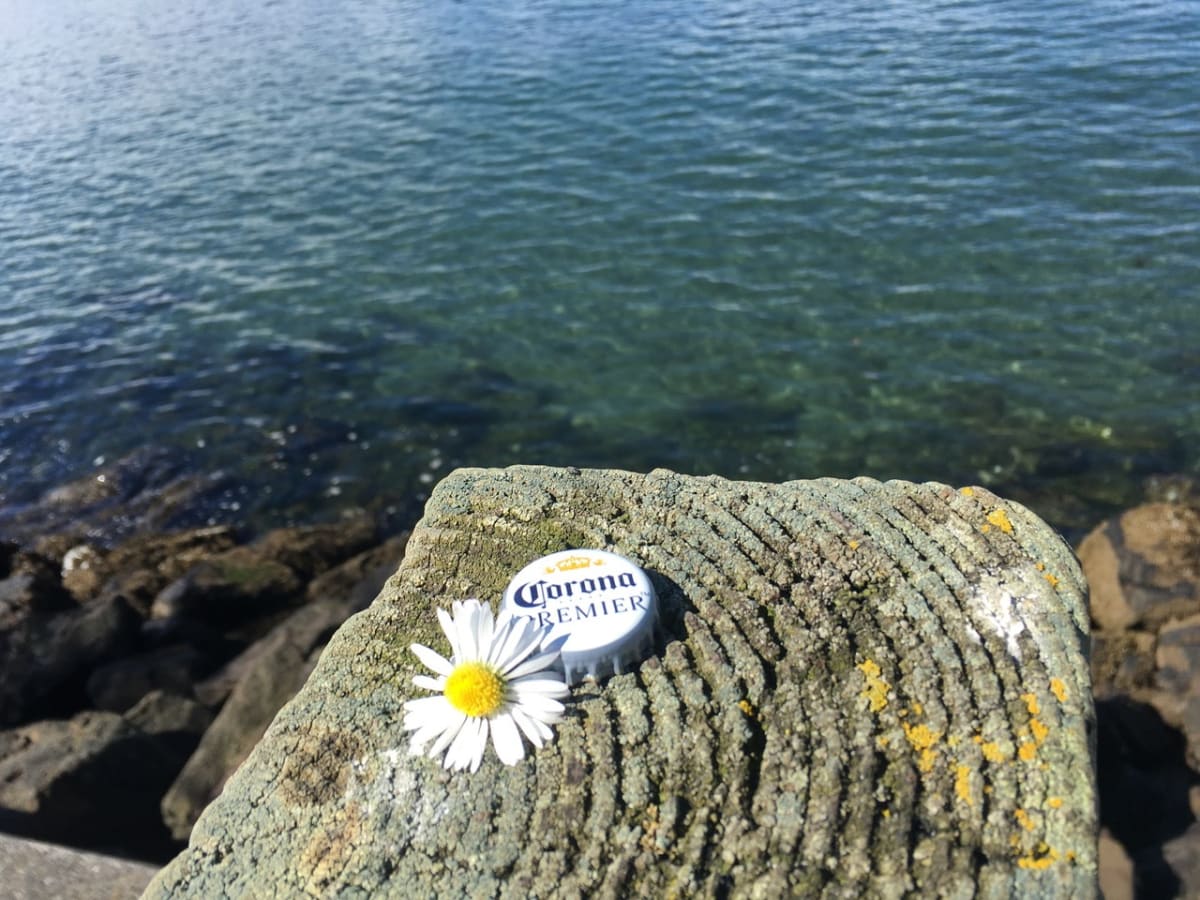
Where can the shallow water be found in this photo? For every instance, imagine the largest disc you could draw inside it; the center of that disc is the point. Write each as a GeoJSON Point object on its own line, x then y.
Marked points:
{"type": "Point", "coordinates": [335, 249]}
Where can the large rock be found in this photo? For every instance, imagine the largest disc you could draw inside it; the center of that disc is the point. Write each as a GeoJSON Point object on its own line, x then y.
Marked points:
{"type": "Point", "coordinates": [253, 581]}
{"type": "Point", "coordinates": [1143, 567]}
{"type": "Point", "coordinates": [43, 657]}
{"type": "Point", "coordinates": [91, 781]}
{"type": "Point", "coordinates": [268, 674]}
{"type": "Point", "coordinates": [860, 688]}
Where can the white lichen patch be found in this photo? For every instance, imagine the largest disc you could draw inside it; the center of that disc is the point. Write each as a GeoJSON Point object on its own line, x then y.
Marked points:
{"type": "Point", "coordinates": [1000, 611]}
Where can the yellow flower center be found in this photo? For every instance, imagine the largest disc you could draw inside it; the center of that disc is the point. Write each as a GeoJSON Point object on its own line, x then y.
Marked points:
{"type": "Point", "coordinates": [475, 689]}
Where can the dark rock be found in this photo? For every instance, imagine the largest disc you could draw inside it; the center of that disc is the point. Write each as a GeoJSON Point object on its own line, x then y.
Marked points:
{"type": "Point", "coordinates": [176, 721]}
{"type": "Point", "coordinates": [1143, 567]}
{"type": "Point", "coordinates": [249, 582]}
{"type": "Point", "coordinates": [234, 586]}
{"type": "Point", "coordinates": [1177, 657]}
{"type": "Point", "coordinates": [1182, 858]}
{"type": "Point", "coordinates": [170, 555]}
{"type": "Point", "coordinates": [120, 684]}
{"type": "Point", "coordinates": [162, 713]}
{"type": "Point", "coordinates": [345, 590]}
{"type": "Point", "coordinates": [1144, 781]}
{"type": "Point", "coordinates": [44, 657]}
{"type": "Point", "coordinates": [1122, 662]}
{"type": "Point", "coordinates": [278, 671]}
{"type": "Point", "coordinates": [310, 550]}
{"type": "Point", "coordinates": [31, 586]}
{"type": "Point", "coordinates": [93, 781]}
{"type": "Point", "coordinates": [137, 587]}
{"type": "Point", "coordinates": [264, 677]}
{"type": "Point", "coordinates": [7, 551]}
{"type": "Point", "coordinates": [356, 582]}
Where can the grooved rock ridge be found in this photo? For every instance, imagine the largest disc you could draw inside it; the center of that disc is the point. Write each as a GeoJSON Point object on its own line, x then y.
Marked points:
{"type": "Point", "coordinates": [860, 688]}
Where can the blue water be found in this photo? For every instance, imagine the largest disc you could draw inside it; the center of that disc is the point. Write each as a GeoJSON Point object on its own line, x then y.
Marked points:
{"type": "Point", "coordinates": [334, 249]}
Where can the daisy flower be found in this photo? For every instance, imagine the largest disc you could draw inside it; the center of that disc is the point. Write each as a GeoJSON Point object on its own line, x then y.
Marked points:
{"type": "Point", "coordinates": [496, 681]}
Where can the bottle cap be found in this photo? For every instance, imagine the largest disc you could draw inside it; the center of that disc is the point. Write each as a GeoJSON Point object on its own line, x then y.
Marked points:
{"type": "Point", "coordinates": [600, 603]}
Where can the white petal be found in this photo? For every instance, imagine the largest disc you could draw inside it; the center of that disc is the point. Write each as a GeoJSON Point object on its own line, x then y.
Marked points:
{"type": "Point", "coordinates": [485, 629]}
{"type": "Point", "coordinates": [540, 684]}
{"type": "Point", "coordinates": [510, 640]}
{"type": "Point", "coordinates": [423, 736]}
{"type": "Point", "coordinates": [453, 728]}
{"type": "Point", "coordinates": [468, 746]}
{"type": "Point", "coordinates": [545, 708]}
{"type": "Point", "coordinates": [530, 639]}
{"type": "Point", "coordinates": [507, 740]}
{"type": "Point", "coordinates": [535, 663]}
{"type": "Point", "coordinates": [427, 707]}
{"type": "Point", "coordinates": [432, 659]}
{"type": "Point", "coordinates": [464, 624]}
{"type": "Point", "coordinates": [480, 744]}
{"type": "Point", "coordinates": [430, 684]}
{"type": "Point", "coordinates": [538, 732]}
{"type": "Point", "coordinates": [451, 633]}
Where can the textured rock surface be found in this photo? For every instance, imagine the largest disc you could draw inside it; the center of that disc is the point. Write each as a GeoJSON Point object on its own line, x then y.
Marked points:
{"type": "Point", "coordinates": [1143, 568]}
{"type": "Point", "coordinates": [267, 675]}
{"type": "Point", "coordinates": [37, 871]}
{"type": "Point", "coordinates": [860, 688]}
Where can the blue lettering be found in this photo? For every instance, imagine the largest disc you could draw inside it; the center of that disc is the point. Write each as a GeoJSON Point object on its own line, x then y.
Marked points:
{"type": "Point", "coordinates": [532, 600]}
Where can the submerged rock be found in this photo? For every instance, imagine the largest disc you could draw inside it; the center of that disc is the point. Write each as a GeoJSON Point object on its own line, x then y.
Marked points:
{"type": "Point", "coordinates": [859, 688]}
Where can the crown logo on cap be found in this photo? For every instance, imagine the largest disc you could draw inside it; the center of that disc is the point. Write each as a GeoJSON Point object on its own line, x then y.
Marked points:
{"type": "Point", "coordinates": [574, 562]}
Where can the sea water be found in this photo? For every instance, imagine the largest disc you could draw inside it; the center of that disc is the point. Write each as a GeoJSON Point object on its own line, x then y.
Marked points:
{"type": "Point", "coordinates": [334, 249]}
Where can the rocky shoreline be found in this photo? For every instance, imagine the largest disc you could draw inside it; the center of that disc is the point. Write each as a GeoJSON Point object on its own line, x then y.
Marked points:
{"type": "Point", "coordinates": [141, 661]}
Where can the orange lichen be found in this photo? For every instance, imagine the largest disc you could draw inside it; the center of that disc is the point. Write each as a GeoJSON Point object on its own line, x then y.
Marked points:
{"type": "Point", "coordinates": [962, 784]}
{"type": "Point", "coordinates": [967, 491]}
{"type": "Point", "coordinates": [923, 739]}
{"type": "Point", "coordinates": [877, 689]}
{"type": "Point", "coordinates": [1059, 689]}
{"type": "Point", "coordinates": [853, 545]}
{"type": "Point", "coordinates": [747, 707]}
{"type": "Point", "coordinates": [993, 753]}
{"type": "Point", "coordinates": [1042, 858]}
{"type": "Point", "coordinates": [1054, 802]}
{"type": "Point", "coordinates": [999, 518]}
{"type": "Point", "coordinates": [1027, 751]}
{"type": "Point", "coordinates": [1031, 703]}
{"type": "Point", "coordinates": [1050, 578]}
{"type": "Point", "coordinates": [1039, 731]}
{"type": "Point", "coordinates": [1023, 819]}
{"type": "Point", "coordinates": [926, 760]}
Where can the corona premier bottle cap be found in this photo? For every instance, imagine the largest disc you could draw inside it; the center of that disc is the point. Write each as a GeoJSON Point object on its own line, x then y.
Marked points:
{"type": "Point", "coordinates": [603, 605]}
